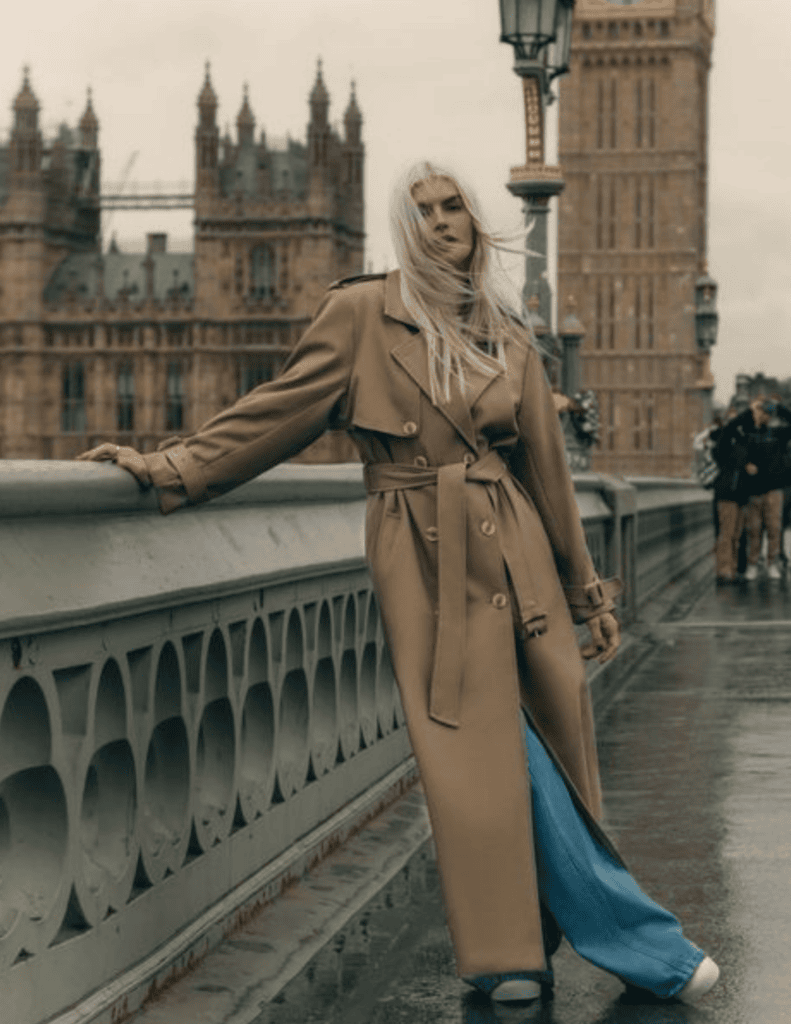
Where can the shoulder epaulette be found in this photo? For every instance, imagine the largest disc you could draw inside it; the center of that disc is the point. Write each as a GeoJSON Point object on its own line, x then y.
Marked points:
{"type": "Point", "coordinates": [353, 280]}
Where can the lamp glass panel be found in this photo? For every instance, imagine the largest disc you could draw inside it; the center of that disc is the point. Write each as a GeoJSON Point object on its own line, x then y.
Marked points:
{"type": "Point", "coordinates": [562, 47]}
{"type": "Point", "coordinates": [530, 21]}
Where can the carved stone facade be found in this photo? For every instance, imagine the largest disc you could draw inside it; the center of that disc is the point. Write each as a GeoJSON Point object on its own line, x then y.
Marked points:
{"type": "Point", "coordinates": [135, 348]}
{"type": "Point", "coordinates": [632, 224]}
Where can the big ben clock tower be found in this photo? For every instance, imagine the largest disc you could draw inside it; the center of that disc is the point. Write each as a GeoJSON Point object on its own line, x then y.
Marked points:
{"type": "Point", "coordinates": [632, 223]}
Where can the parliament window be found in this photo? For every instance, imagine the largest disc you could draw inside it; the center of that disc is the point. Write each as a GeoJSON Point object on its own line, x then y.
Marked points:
{"type": "Point", "coordinates": [606, 214]}
{"type": "Point", "coordinates": [73, 399]}
{"type": "Point", "coordinates": [649, 314]}
{"type": "Point", "coordinates": [262, 272]}
{"type": "Point", "coordinates": [613, 114]}
{"type": "Point", "coordinates": [600, 114]}
{"type": "Point", "coordinates": [174, 406]}
{"type": "Point", "coordinates": [638, 214]}
{"type": "Point", "coordinates": [252, 372]}
{"type": "Point", "coordinates": [611, 316]}
{"type": "Point", "coordinates": [125, 397]}
{"type": "Point", "coordinates": [613, 220]}
{"type": "Point", "coordinates": [650, 230]}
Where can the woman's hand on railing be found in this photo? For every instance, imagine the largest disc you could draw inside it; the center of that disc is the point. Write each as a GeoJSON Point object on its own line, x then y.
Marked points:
{"type": "Point", "coordinates": [127, 458]}
{"type": "Point", "coordinates": [605, 638]}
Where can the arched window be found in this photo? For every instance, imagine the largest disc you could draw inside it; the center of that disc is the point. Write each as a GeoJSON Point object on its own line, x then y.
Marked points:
{"type": "Point", "coordinates": [73, 399]}
{"type": "Point", "coordinates": [262, 272]}
{"type": "Point", "coordinates": [174, 409]}
{"type": "Point", "coordinates": [125, 397]}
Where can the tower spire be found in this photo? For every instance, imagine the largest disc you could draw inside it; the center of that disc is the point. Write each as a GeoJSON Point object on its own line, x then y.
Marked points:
{"type": "Point", "coordinates": [319, 97]}
{"type": "Point", "coordinates": [89, 124]}
{"type": "Point", "coordinates": [245, 122]}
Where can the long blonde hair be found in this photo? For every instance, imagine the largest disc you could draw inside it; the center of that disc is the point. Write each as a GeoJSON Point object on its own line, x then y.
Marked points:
{"type": "Point", "coordinates": [460, 312]}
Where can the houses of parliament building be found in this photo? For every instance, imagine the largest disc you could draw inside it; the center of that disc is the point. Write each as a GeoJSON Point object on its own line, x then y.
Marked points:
{"type": "Point", "coordinates": [135, 348]}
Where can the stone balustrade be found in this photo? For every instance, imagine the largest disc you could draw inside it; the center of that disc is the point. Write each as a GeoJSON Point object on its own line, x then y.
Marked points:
{"type": "Point", "coordinates": [187, 701]}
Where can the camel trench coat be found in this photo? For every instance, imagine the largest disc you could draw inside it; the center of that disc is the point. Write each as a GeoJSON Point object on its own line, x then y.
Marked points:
{"type": "Point", "coordinates": [479, 562]}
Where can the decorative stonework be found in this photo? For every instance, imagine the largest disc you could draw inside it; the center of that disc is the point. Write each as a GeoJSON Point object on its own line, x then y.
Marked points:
{"type": "Point", "coordinates": [618, 8]}
{"type": "Point", "coordinates": [534, 120]}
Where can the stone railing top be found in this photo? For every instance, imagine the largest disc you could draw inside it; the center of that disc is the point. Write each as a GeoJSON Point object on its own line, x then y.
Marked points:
{"type": "Point", "coordinates": [54, 488]}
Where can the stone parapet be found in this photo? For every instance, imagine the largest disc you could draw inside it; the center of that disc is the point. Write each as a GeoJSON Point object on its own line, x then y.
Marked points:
{"type": "Point", "coordinates": [196, 708]}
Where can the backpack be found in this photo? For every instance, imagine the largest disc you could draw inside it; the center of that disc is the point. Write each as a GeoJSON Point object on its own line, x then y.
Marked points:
{"type": "Point", "coordinates": [704, 466]}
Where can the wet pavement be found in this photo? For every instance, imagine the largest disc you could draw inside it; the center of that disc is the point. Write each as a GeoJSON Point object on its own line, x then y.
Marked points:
{"type": "Point", "coordinates": [695, 754]}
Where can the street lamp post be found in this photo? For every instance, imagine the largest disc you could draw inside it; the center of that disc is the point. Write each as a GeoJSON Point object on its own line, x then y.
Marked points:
{"type": "Point", "coordinates": [540, 33]}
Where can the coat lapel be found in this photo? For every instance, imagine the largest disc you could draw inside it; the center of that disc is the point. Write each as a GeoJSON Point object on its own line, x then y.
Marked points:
{"type": "Point", "coordinates": [412, 356]}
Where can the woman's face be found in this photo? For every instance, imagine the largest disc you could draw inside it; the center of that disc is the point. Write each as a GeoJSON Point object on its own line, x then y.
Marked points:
{"type": "Point", "coordinates": [448, 223]}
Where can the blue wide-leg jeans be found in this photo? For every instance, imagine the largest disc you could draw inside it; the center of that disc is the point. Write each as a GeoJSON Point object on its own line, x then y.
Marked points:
{"type": "Point", "coordinates": [599, 907]}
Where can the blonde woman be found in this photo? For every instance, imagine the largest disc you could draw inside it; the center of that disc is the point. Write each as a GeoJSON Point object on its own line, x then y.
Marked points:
{"type": "Point", "coordinates": [480, 566]}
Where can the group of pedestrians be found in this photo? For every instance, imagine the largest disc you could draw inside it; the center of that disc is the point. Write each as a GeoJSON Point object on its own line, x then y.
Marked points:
{"type": "Point", "coordinates": [748, 465]}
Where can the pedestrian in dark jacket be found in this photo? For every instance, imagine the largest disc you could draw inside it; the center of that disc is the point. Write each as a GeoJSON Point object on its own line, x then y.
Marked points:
{"type": "Point", "coordinates": [758, 440]}
{"type": "Point", "coordinates": [730, 496]}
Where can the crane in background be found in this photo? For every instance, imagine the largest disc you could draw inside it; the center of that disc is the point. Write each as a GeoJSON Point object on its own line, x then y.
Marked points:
{"type": "Point", "coordinates": [125, 173]}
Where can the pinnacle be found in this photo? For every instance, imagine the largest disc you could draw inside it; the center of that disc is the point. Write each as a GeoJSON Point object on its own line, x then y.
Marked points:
{"type": "Point", "coordinates": [26, 99]}
{"type": "Point", "coordinates": [207, 97]}
{"type": "Point", "coordinates": [319, 93]}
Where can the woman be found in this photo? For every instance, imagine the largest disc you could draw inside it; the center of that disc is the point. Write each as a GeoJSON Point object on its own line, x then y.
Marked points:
{"type": "Point", "coordinates": [479, 562]}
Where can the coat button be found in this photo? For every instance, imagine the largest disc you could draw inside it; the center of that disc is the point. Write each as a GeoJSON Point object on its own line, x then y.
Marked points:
{"type": "Point", "coordinates": [421, 460]}
{"type": "Point", "coordinates": [468, 459]}
{"type": "Point", "coordinates": [488, 528]}
{"type": "Point", "coordinates": [410, 428]}
{"type": "Point", "coordinates": [432, 533]}
{"type": "Point", "coordinates": [500, 601]}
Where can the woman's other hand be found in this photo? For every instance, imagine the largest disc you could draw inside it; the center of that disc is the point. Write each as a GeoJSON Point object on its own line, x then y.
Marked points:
{"type": "Point", "coordinates": [127, 458]}
{"type": "Point", "coordinates": [751, 468]}
{"type": "Point", "coordinates": [605, 638]}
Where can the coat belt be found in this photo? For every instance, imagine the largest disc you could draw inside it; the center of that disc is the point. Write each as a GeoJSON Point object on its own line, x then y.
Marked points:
{"type": "Point", "coordinates": [449, 653]}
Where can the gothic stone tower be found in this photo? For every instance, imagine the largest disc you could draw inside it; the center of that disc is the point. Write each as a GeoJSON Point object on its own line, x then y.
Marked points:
{"type": "Point", "coordinates": [49, 208]}
{"type": "Point", "coordinates": [632, 224]}
{"type": "Point", "coordinates": [137, 347]}
{"type": "Point", "coordinates": [272, 228]}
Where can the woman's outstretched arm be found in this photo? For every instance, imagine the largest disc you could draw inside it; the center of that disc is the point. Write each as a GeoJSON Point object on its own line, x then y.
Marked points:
{"type": "Point", "coordinates": [270, 424]}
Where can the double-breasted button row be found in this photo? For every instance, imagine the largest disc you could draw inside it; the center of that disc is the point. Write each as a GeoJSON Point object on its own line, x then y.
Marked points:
{"type": "Point", "coordinates": [488, 528]}
{"type": "Point", "coordinates": [500, 601]}
{"type": "Point", "coordinates": [468, 459]}
{"type": "Point", "coordinates": [432, 533]}
{"type": "Point", "coordinates": [410, 428]}
{"type": "Point", "coordinates": [421, 460]}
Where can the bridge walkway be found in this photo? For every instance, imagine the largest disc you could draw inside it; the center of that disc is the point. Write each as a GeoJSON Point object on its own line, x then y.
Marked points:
{"type": "Point", "coordinates": [695, 746]}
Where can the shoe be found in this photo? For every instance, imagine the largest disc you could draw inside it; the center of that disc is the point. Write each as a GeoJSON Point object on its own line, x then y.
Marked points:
{"type": "Point", "coordinates": [507, 988]}
{"type": "Point", "coordinates": [517, 991]}
{"type": "Point", "coordinates": [704, 979]}
{"type": "Point", "coordinates": [773, 572]}
{"type": "Point", "coordinates": [751, 572]}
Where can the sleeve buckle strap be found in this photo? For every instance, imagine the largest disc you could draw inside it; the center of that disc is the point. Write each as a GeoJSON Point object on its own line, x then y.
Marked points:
{"type": "Point", "coordinates": [189, 471]}
{"type": "Point", "coordinates": [593, 594]}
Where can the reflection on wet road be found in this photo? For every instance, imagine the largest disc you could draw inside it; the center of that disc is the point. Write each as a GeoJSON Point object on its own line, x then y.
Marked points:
{"type": "Point", "coordinates": [696, 768]}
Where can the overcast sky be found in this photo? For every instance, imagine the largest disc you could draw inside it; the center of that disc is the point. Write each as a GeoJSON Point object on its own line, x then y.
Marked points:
{"type": "Point", "coordinates": [432, 81]}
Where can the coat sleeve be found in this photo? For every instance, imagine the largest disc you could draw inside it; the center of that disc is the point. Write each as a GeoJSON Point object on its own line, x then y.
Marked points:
{"type": "Point", "coordinates": [538, 461]}
{"type": "Point", "coordinates": [271, 423]}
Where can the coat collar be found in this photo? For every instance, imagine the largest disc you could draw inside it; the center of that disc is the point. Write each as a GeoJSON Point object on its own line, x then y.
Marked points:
{"type": "Point", "coordinates": [412, 356]}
